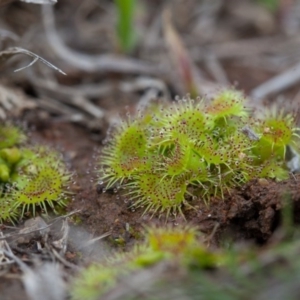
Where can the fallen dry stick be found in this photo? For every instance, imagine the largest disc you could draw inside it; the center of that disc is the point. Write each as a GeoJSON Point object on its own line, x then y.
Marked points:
{"type": "Point", "coordinates": [4, 2]}
{"type": "Point", "coordinates": [89, 63]}
{"type": "Point", "coordinates": [8, 53]}
{"type": "Point", "coordinates": [277, 83]}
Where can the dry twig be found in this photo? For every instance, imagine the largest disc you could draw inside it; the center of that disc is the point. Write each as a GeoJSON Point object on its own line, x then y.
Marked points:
{"type": "Point", "coordinates": [88, 63]}
{"type": "Point", "coordinates": [13, 102]}
{"type": "Point", "coordinates": [11, 235]}
{"type": "Point", "coordinates": [4, 2]}
{"type": "Point", "coordinates": [8, 53]}
{"type": "Point", "coordinates": [277, 83]}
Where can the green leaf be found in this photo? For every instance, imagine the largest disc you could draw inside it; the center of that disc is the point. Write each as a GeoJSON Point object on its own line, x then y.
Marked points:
{"type": "Point", "coordinates": [125, 29]}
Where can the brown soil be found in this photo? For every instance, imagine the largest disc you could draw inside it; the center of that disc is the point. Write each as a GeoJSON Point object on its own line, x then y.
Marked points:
{"type": "Point", "coordinates": [12, 289]}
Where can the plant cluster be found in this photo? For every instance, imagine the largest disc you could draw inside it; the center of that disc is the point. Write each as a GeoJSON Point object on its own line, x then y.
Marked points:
{"type": "Point", "coordinates": [173, 264]}
{"type": "Point", "coordinates": [30, 177]}
{"type": "Point", "coordinates": [175, 245]}
{"type": "Point", "coordinates": [193, 149]}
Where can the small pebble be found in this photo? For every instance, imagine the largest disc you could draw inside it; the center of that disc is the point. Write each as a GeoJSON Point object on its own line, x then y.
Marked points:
{"type": "Point", "coordinates": [263, 182]}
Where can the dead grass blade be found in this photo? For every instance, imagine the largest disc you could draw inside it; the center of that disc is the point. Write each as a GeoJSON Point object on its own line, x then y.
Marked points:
{"type": "Point", "coordinates": [40, 1]}
{"type": "Point", "coordinates": [44, 282]}
{"type": "Point", "coordinates": [13, 102]}
{"type": "Point", "coordinates": [3, 2]}
{"type": "Point", "coordinates": [8, 53]}
{"type": "Point", "coordinates": [31, 230]}
{"type": "Point", "coordinates": [180, 57]}
{"type": "Point", "coordinates": [6, 34]}
{"type": "Point", "coordinates": [277, 83]}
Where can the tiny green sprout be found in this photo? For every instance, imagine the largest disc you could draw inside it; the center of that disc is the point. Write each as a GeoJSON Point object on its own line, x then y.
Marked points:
{"type": "Point", "coordinates": [192, 149]}
{"type": "Point", "coordinates": [126, 31]}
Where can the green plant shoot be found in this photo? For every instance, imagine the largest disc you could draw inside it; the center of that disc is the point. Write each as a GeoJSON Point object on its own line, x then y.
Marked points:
{"type": "Point", "coordinates": [125, 24]}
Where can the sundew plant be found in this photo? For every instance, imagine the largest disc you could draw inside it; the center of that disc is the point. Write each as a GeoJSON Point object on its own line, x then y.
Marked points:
{"type": "Point", "coordinates": [30, 177]}
{"type": "Point", "coordinates": [179, 245]}
{"type": "Point", "coordinates": [193, 149]}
